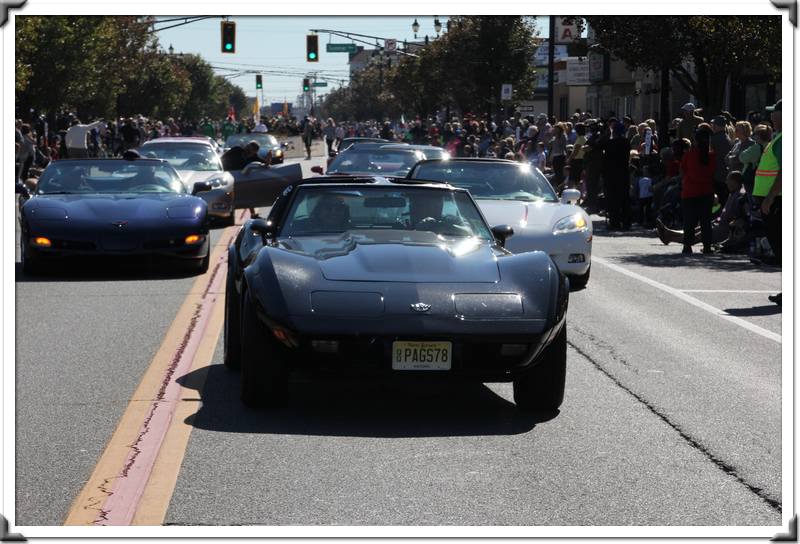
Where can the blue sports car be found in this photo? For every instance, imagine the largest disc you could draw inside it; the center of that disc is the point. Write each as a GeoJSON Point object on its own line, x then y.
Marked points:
{"type": "Point", "coordinates": [119, 207]}
{"type": "Point", "coordinates": [391, 276]}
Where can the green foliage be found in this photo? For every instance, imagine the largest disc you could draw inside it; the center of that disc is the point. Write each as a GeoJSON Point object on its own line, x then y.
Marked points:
{"type": "Point", "coordinates": [462, 69]}
{"type": "Point", "coordinates": [112, 66]}
{"type": "Point", "coordinates": [718, 47]}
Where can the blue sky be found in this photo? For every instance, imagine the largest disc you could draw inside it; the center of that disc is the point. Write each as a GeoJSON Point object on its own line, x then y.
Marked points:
{"type": "Point", "coordinates": [278, 44]}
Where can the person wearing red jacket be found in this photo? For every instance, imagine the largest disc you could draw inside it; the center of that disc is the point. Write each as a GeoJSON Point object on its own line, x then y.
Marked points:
{"type": "Point", "coordinates": [697, 192]}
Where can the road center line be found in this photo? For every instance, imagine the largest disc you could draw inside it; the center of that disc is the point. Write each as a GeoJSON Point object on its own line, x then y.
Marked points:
{"type": "Point", "coordinates": [691, 300]}
{"type": "Point", "coordinates": [114, 491]}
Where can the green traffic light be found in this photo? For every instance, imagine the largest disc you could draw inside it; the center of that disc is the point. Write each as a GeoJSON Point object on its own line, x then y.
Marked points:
{"type": "Point", "coordinates": [312, 55]}
{"type": "Point", "coordinates": [228, 46]}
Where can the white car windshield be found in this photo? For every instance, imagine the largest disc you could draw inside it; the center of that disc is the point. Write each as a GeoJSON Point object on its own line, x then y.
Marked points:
{"type": "Point", "coordinates": [197, 157]}
{"type": "Point", "coordinates": [490, 180]}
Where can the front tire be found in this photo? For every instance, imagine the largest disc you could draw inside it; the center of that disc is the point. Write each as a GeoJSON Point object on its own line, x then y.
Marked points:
{"type": "Point", "coordinates": [542, 388]}
{"type": "Point", "coordinates": [232, 354]}
{"type": "Point", "coordinates": [30, 265]}
{"type": "Point", "coordinates": [265, 381]}
{"type": "Point", "coordinates": [579, 282]}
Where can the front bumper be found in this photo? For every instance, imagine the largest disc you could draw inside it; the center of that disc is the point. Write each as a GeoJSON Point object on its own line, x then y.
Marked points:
{"type": "Point", "coordinates": [560, 248]}
{"type": "Point", "coordinates": [220, 202]}
{"type": "Point", "coordinates": [172, 248]}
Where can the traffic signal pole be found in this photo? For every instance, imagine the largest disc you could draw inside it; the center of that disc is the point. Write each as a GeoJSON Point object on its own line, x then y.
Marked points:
{"type": "Point", "coordinates": [551, 62]}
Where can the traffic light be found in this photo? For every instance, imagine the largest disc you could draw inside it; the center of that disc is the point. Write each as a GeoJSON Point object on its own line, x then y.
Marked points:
{"type": "Point", "coordinates": [306, 85]}
{"type": "Point", "coordinates": [312, 48]}
{"type": "Point", "coordinates": [228, 37]}
{"type": "Point", "coordinates": [259, 84]}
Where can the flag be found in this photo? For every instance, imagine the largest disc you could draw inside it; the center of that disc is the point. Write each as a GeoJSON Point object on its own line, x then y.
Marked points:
{"type": "Point", "coordinates": [231, 112]}
{"type": "Point", "coordinates": [285, 108]}
{"type": "Point", "coordinates": [256, 110]}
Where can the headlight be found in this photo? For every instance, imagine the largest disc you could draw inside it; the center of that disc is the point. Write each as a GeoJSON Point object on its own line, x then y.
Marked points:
{"type": "Point", "coordinates": [571, 223]}
{"type": "Point", "coordinates": [218, 182]}
{"type": "Point", "coordinates": [278, 152]}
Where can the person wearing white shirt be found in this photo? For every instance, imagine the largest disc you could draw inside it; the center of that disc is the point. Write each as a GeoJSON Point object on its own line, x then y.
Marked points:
{"type": "Point", "coordinates": [77, 138]}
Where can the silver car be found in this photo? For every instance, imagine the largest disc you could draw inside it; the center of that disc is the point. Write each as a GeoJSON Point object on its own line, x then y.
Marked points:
{"type": "Point", "coordinates": [519, 195]}
{"type": "Point", "coordinates": [196, 160]}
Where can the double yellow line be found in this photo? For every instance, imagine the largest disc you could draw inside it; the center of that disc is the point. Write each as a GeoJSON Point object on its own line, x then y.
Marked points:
{"type": "Point", "coordinates": [156, 466]}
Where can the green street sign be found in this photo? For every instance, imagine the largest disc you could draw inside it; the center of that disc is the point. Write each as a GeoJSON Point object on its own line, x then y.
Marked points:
{"type": "Point", "coordinates": [340, 47]}
{"type": "Point", "coordinates": [320, 84]}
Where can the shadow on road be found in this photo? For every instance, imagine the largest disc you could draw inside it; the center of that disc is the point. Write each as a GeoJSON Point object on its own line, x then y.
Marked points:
{"type": "Point", "coordinates": [107, 270]}
{"type": "Point", "coordinates": [723, 262]}
{"type": "Point", "coordinates": [770, 309]}
{"type": "Point", "coordinates": [599, 228]}
{"type": "Point", "coordinates": [375, 408]}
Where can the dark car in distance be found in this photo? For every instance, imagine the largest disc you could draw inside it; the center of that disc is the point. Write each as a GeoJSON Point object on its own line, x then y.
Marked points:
{"type": "Point", "coordinates": [112, 207]}
{"type": "Point", "coordinates": [391, 277]}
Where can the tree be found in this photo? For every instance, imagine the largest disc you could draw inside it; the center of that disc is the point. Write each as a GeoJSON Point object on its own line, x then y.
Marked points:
{"type": "Point", "coordinates": [701, 52]}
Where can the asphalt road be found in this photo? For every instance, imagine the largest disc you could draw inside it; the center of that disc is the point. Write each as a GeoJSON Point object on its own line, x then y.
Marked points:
{"type": "Point", "coordinates": [672, 414]}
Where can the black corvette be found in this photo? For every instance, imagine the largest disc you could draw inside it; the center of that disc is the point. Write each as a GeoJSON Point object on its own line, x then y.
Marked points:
{"type": "Point", "coordinates": [87, 207]}
{"type": "Point", "coordinates": [390, 276]}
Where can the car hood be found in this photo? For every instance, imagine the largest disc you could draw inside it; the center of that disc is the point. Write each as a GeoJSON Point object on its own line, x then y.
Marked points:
{"type": "Point", "coordinates": [398, 256]}
{"type": "Point", "coordinates": [114, 207]}
{"type": "Point", "coordinates": [530, 215]}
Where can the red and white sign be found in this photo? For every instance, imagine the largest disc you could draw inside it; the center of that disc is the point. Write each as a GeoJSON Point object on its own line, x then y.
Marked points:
{"type": "Point", "coordinates": [566, 30]}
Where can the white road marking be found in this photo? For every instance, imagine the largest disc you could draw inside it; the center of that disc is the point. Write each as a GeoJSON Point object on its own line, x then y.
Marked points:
{"type": "Point", "coordinates": [726, 291]}
{"type": "Point", "coordinates": [691, 300]}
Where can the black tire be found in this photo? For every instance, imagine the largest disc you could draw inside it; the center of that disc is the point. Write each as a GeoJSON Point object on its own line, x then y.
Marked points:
{"type": "Point", "coordinates": [30, 265]}
{"type": "Point", "coordinates": [232, 352]}
{"type": "Point", "coordinates": [579, 282]}
{"type": "Point", "coordinates": [542, 388]}
{"type": "Point", "coordinates": [265, 381]}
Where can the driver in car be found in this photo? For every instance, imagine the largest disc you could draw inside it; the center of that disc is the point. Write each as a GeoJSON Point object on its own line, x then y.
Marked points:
{"type": "Point", "coordinates": [425, 211]}
{"type": "Point", "coordinates": [331, 214]}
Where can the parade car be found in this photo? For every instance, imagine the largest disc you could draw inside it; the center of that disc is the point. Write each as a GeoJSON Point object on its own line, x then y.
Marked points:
{"type": "Point", "coordinates": [196, 160]}
{"type": "Point", "coordinates": [373, 159]}
{"type": "Point", "coordinates": [112, 207]}
{"type": "Point", "coordinates": [266, 142]}
{"type": "Point", "coordinates": [378, 276]}
{"type": "Point", "coordinates": [520, 195]}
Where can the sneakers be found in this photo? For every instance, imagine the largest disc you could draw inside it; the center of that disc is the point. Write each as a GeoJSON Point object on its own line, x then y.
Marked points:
{"type": "Point", "coordinates": [775, 298]}
{"type": "Point", "coordinates": [707, 250]}
{"type": "Point", "coordinates": [687, 250]}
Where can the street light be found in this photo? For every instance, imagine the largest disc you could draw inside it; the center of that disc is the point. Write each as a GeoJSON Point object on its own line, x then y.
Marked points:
{"type": "Point", "coordinates": [415, 27]}
{"type": "Point", "coordinates": [437, 25]}
{"type": "Point", "coordinates": [171, 50]}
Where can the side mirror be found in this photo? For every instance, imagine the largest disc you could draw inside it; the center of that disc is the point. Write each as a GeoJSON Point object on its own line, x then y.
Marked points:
{"type": "Point", "coordinates": [570, 196]}
{"type": "Point", "coordinates": [260, 226]}
{"type": "Point", "coordinates": [501, 233]}
{"type": "Point", "coordinates": [285, 145]}
{"type": "Point", "coordinates": [201, 187]}
{"type": "Point", "coordinates": [317, 170]}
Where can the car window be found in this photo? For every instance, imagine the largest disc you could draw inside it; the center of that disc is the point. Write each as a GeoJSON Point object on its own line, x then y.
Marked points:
{"type": "Point", "coordinates": [490, 180]}
{"type": "Point", "coordinates": [374, 160]}
{"type": "Point", "coordinates": [263, 140]}
{"type": "Point", "coordinates": [110, 176]}
{"type": "Point", "coordinates": [197, 157]}
{"type": "Point", "coordinates": [332, 210]}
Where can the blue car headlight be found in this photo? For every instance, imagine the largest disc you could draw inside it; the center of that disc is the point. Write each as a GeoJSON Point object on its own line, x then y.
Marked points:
{"type": "Point", "coordinates": [572, 223]}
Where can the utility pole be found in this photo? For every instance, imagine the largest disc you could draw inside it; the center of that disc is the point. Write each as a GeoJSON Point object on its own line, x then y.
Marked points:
{"type": "Point", "coordinates": [551, 62]}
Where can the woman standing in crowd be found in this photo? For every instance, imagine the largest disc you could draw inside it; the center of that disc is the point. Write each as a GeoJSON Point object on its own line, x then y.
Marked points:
{"type": "Point", "coordinates": [558, 153]}
{"type": "Point", "coordinates": [697, 193]}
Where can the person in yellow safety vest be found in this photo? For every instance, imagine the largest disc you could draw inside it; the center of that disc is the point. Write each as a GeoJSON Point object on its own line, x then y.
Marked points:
{"type": "Point", "coordinates": [768, 187]}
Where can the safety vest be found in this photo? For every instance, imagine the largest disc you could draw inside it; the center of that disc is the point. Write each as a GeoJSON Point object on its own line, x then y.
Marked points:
{"type": "Point", "coordinates": [768, 169]}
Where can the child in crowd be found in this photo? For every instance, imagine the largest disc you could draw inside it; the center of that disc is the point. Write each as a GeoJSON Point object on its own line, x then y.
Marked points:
{"type": "Point", "coordinates": [645, 193]}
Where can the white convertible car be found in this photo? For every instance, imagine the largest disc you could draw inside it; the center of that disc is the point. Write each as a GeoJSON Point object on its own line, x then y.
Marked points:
{"type": "Point", "coordinates": [518, 195]}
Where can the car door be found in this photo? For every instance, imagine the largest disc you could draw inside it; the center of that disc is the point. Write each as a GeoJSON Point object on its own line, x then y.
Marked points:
{"type": "Point", "coordinates": [261, 186]}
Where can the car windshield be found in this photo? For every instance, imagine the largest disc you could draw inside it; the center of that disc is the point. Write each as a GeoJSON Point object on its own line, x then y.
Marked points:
{"type": "Point", "coordinates": [374, 160]}
{"type": "Point", "coordinates": [334, 210]}
{"type": "Point", "coordinates": [491, 180]}
{"type": "Point", "coordinates": [263, 140]}
{"type": "Point", "coordinates": [197, 157]}
{"type": "Point", "coordinates": [109, 176]}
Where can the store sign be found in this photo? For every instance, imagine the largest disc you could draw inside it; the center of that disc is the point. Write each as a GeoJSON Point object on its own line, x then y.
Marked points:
{"type": "Point", "coordinates": [505, 91]}
{"type": "Point", "coordinates": [578, 71]}
{"type": "Point", "coordinates": [598, 70]}
{"type": "Point", "coordinates": [567, 30]}
{"type": "Point", "coordinates": [541, 78]}
{"type": "Point", "coordinates": [541, 58]}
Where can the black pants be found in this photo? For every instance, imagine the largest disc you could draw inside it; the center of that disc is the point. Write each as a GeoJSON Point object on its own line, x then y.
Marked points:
{"type": "Point", "coordinates": [558, 169]}
{"type": "Point", "coordinates": [773, 225]}
{"type": "Point", "coordinates": [618, 200]}
{"type": "Point", "coordinates": [646, 211]}
{"type": "Point", "coordinates": [329, 143]}
{"type": "Point", "coordinates": [575, 171]}
{"type": "Point", "coordinates": [697, 209]}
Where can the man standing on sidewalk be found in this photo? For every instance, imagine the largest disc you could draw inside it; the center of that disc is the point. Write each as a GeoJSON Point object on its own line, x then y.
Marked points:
{"type": "Point", "coordinates": [768, 187]}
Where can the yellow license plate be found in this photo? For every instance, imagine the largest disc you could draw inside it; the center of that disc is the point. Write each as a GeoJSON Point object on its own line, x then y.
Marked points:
{"type": "Point", "coordinates": [421, 355]}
